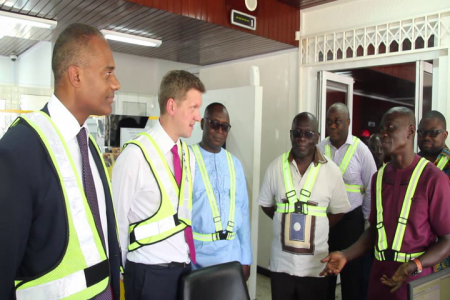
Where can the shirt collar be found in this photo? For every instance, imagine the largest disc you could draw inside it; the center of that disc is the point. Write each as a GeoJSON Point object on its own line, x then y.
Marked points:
{"type": "Point", "coordinates": [164, 141]}
{"type": "Point", "coordinates": [318, 157]}
{"type": "Point", "coordinates": [445, 151]}
{"type": "Point", "coordinates": [66, 123]}
{"type": "Point", "coordinates": [348, 141]}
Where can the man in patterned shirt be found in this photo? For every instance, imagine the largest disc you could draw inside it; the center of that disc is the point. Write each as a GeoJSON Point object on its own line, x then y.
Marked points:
{"type": "Point", "coordinates": [357, 167]}
{"type": "Point", "coordinates": [432, 134]}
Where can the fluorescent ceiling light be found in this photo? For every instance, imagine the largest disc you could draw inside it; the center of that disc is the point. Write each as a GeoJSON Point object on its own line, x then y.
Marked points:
{"type": "Point", "coordinates": [11, 18]}
{"type": "Point", "coordinates": [129, 38]}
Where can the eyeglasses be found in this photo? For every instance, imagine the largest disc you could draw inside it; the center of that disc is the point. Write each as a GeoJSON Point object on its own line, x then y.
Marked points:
{"type": "Point", "coordinates": [216, 125]}
{"type": "Point", "coordinates": [337, 122]}
{"type": "Point", "coordinates": [431, 133]}
{"type": "Point", "coordinates": [306, 133]}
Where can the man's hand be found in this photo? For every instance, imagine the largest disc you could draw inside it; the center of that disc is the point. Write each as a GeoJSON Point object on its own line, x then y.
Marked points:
{"type": "Point", "coordinates": [399, 277]}
{"type": "Point", "coordinates": [246, 269]}
{"type": "Point", "coordinates": [335, 263]}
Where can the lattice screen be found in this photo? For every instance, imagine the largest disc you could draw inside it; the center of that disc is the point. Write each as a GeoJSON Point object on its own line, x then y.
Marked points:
{"type": "Point", "coordinates": [409, 35]}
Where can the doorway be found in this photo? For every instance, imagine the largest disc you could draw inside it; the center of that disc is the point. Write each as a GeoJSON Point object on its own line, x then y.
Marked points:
{"type": "Point", "coordinates": [369, 92]}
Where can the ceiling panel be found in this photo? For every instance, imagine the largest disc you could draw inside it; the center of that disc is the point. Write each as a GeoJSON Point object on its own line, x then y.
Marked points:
{"type": "Point", "coordinates": [184, 39]}
{"type": "Point", "coordinates": [302, 4]}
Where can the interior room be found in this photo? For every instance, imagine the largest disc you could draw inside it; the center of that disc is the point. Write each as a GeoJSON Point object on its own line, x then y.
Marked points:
{"type": "Point", "coordinates": [265, 60]}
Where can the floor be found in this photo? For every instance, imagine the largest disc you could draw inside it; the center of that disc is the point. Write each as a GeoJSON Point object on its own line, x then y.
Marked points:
{"type": "Point", "coordinates": [263, 288]}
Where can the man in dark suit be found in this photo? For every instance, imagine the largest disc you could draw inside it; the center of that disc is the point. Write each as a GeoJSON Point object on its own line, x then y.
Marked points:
{"type": "Point", "coordinates": [45, 248]}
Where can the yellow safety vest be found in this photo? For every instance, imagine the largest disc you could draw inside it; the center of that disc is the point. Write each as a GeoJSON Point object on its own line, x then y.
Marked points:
{"type": "Point", "coordinates": [381, 250]}
{"type": "Point", "coordinates": [220, 234]}
{"type": "Point", "coordinates": [166, 221]}
{"type": "Point", "coordinates": [351, 188]}
{"type": "Point", "coordinates": [300, 205]}
{"type": "Point", "coordinates": [442, 162]}
{"type": "Point", "coordinates": [83, 272]}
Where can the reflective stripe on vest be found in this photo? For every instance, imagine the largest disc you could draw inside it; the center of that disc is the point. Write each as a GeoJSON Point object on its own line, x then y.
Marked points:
{"type": "Point", "coordinates": [219, 234]}
{"type": "Point", "coordinates": [166, 221]}
{"type": "Point", "coordinates": [442, 162]}
{"type": "Point", "coordinates": [382, 245]}
{"type": "Point", "coordinates": [83, 271]}
{"type": "Point", "coordinates": [305, 192]}
{"type": "Point", "coordinates": [351, 188]}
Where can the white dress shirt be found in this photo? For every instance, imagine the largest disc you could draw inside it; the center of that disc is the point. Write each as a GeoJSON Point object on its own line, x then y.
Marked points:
{"type": "Point", "coordinates": [359, 171]}
{"type": "Point", "coordinates": [328, 191]}
{"type": "Point", "coordinates": [69, 127]}
{"type": "Point", "coordinates": [137, 197]}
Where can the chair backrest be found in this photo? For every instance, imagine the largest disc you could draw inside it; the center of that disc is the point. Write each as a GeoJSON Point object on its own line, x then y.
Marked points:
{"type": "Point", "coordinates": [219, 282]}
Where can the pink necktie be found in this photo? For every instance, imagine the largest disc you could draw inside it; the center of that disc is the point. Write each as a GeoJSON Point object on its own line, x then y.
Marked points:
{"type": "Point", "coordinates": [188, 230]}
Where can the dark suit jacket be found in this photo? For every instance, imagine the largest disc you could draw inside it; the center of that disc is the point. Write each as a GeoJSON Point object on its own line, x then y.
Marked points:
{"type": "Point", "coordinates": [33, 223]}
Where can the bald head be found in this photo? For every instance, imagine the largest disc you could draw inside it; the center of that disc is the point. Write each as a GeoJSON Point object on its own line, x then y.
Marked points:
{"type": "Point", "coordinates": [340, 108]}
{"type": "Point", "coordinates": [215, 107]}
{"type": "Point", "coordinates": [306, 116]}
{"type": "Point", "coordinates": [434, 114]}
{"type": "Point", "coordinates": [402, 112]}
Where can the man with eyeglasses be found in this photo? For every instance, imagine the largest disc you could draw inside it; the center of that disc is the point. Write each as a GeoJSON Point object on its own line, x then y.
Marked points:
{"type": "Point", "coordinates": [304, 193]}
{"type": "Point", "coordinates": [220, 208]}
{"type": "Point", "coordinates": [410, 209]}
{"type": "Point", "coordinates": [357, 167]}
{"type": "Point", "coordinates": [431, 137]}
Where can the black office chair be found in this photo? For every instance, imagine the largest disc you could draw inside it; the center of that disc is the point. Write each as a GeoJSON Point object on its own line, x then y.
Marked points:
{"type": "Point", "coordinates": [219, 282]}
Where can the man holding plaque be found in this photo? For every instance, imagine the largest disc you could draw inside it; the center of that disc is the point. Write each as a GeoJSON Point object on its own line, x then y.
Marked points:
{"type": "Point", "coordinates": [305, 195]}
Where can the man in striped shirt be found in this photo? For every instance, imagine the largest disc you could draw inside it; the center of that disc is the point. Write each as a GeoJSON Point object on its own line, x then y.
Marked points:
{"type": "Point", "coordinates": [357, 167]}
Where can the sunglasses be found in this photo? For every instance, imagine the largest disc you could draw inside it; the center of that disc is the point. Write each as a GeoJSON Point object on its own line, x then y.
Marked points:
{"type": "Point", "coordinates": [217, 125]}
{"type": "Point", "coordinates": [306, 133]}
{"type": "Point", "coordinates": [430, 133]}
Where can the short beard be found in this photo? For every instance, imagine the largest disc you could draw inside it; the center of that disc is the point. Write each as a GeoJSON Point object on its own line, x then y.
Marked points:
{"type": "Point", "coordinates": [431, 152]}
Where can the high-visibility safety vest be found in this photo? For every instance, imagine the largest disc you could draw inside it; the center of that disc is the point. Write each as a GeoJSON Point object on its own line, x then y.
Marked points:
{"type": "Point", "coordinates": [300, 205]}
{"type": "Point", "coordinates": [83, 272]}
{"type": "Point", "coordinates": [381, 250]}
{"type": "Point", "coordinates": [442, 162]}
{"type": "Point", "coordinates": [168, 220]}
{"type": "Point", "coordinates": [220, 234]}
{"type": "Point", "coordinates": [351, 188]}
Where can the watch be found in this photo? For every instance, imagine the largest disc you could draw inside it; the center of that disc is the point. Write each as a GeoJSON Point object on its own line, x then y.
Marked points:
{"type": "Point", "coordinates": [419, 267]}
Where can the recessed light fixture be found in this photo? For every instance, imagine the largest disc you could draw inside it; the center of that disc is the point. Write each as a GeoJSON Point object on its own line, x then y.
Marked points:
{"type": "Point", "coordinates": [14, 19]}
{"type": "Point", "coordinates": [130, 38]}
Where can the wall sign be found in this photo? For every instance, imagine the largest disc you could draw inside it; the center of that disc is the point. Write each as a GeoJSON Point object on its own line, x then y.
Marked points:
{"type": "Point", "coordinates": [243, 20]}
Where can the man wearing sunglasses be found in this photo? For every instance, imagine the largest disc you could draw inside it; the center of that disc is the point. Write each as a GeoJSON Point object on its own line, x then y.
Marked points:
{"type": "Point", "coordinates": [220, 212]}
{"type": "Point", "coordinates": [431, 137]}
{"type": "Point", "coordinates": [357, 167]}
{"type": "Point", "coordinates": [304, 193]}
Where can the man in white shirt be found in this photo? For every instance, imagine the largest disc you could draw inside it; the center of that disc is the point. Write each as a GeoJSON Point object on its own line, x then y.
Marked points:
{"type": "Point", "coordinates": [56, 210]}
{"type": "Point", "coordinates": [304, 194]}
{"type": "Point", "coordinates": [153, 199]}
{"type": "Point", "coordinates": [357, 167]}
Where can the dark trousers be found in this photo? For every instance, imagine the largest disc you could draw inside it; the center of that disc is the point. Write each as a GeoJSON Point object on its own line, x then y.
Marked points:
{"type": "Point", "coordinates": [288, 287]}
{"type": "Point", "coordinates": [152, 282]}
{"type": "Point", "coordinates": [346, 232]}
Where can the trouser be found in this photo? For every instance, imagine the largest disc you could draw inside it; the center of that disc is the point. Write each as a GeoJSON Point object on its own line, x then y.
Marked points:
{"type": "Point", "coordinates": [153, 282]}
{"type": "Point", "coordinates": [289, 287]}
{"type": "Point", "coordinates": [344, 234]}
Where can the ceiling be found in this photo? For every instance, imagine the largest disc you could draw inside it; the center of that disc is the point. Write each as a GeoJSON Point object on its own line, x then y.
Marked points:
{"type": "Point", "coordinates": [184, 39]}
{"type": "Point", "coordinates": [302, 4]}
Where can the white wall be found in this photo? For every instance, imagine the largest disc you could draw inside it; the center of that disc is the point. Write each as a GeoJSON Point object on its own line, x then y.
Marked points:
{"type": "Point", "coordinates": [279, 79]}
{"type": "Point", "coordinates": [6, 70]}
{"type": "Point", "coordinates": [347, 14]}
{"type": "Point", "coordinates": [143, 75]}
{"type": "Point", "coordinates": [351, 14]}
{"type": "Point", "coordinates": [33, 68]}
